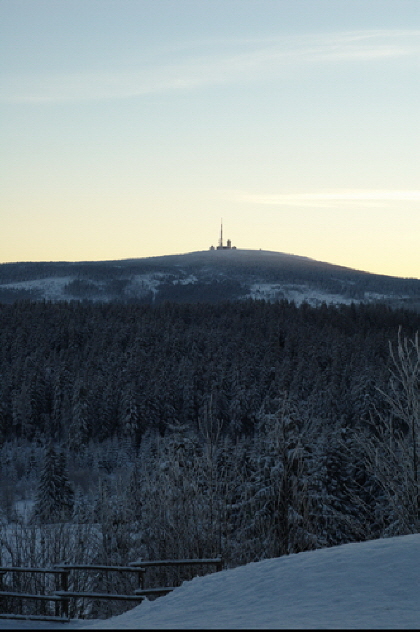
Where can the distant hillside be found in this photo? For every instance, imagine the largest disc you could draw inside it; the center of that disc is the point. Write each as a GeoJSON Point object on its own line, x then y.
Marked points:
{"type": "Point", "coordinates": [204, 276]}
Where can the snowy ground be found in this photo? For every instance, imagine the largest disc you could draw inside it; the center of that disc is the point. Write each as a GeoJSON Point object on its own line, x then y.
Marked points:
{"type": "Point", "coordinates": [365, 585]}
{"type": "Point", "coordinates": [52, 288]}
{"type": "Point", "coordinates": [297, 293]}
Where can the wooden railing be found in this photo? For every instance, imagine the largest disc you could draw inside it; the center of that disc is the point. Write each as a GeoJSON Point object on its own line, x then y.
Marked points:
{"type": "Point", "coordinates": [144, 565]}
{"type": "Point", "coordinates": [61, 595]}
{"type": "Point", "coordinates": [60, 608]}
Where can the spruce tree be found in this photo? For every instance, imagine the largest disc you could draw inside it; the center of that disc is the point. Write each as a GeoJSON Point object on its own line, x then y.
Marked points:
{"type": "Point", "coordinates": [55, 496]}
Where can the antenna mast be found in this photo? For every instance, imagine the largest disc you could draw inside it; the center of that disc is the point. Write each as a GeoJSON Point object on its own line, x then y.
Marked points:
{"type": "Point", "coordinates": [221, 234]}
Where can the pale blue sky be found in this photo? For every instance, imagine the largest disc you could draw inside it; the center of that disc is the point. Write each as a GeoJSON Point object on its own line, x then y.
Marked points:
{"type": "Point", "coordinates": [130, 127]}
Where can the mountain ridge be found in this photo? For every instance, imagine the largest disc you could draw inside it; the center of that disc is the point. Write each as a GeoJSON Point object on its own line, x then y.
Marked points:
{"type": "Point", "coordinates": [204, 276]}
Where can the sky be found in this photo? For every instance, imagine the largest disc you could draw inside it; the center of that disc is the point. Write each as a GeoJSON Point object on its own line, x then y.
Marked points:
{"type": "Point", "coordinates": [130, 128]}
{"type": "Point", "coordinates": [362, 585]}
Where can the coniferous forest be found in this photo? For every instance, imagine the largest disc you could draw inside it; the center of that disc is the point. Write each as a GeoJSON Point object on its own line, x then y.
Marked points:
{"type": "Point", "coordinates": [248, 430]}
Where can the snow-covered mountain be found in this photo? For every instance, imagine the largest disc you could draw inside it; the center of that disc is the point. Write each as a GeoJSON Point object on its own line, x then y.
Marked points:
{"type": "Point", "coordinates": [204, 276]}
{"type": "Point", "coordinates": [366, 585]}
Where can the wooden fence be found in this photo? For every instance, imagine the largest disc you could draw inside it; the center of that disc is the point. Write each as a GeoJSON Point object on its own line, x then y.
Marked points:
{"type": "Point", "coordinates": [61, 595]}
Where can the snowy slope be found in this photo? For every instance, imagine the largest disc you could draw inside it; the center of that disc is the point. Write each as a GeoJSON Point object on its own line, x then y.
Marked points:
{"type": "Point", "coordinates": [363, 585]}
{"type": "Point", "coordinates": [368, 585]}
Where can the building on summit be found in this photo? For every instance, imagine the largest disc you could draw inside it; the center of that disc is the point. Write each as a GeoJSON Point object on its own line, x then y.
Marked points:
{"type": "Point", "coordinates": [221, 246]}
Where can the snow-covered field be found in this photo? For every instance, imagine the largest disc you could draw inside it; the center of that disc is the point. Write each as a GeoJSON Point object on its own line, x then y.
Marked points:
{"type": "Point", "coordinates": [296, 293]}
{"type": "Point", "coordinates": [52, 289]}
{"type": "Point", "coordinates": [363, 585]}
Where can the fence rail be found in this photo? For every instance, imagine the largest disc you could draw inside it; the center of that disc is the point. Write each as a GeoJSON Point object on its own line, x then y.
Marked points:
{"type": "Point", "coordinates": [67, 594]}
{"type": "Point", "coordinates": [62, 595]}
{"type": "Point", "coordinates": [217, 561]}
{"type": "Point", "coordinates": [22, 595]}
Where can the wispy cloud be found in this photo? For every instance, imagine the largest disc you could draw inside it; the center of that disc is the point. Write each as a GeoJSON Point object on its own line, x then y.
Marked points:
{"type": "Point", "coordinates": [209, 63]}
{"type": "Point", "coordinates": [330, 198]}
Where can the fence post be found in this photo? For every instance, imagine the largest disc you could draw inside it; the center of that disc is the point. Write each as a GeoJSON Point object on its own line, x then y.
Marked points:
{"type": "Point", "coordinates": [2, 599]}
{"type": "Point", "coordinates": [64, 581]}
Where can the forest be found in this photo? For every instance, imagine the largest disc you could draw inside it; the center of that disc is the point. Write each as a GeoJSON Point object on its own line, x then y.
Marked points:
{"type": "Point", "coordinates": [248, 430]}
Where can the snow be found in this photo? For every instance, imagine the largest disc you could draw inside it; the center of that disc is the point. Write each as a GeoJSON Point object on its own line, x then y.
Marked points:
{"type": "Point", "coordinates": [188, 280]}
{"type": "Point", "coordinates": [51, 288]}
{"type": "Point", "coordinates": [296, 293]}
{"type": "Point", "coordinates": [23, 509]}
{"type": "Point", "coordinates": [367, 585]}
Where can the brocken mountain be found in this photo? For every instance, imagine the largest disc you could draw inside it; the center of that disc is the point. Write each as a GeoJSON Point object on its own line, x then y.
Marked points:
{"type": "Point", "coordinates": [204, 276]}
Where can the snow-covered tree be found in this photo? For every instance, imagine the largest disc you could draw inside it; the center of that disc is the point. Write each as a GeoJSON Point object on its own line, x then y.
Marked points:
{"type": "Point", "coordinates": [391, 446]}
{"type": "Point", "coordinates": [55, 496]}
{"type": "Point", "coordinates": [279, 493]}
